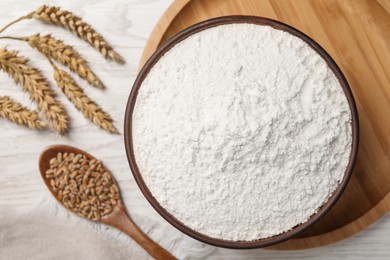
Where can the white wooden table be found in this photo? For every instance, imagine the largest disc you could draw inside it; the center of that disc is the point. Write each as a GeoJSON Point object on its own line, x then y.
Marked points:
{"type": "Point", "coordinates": [127, 25]}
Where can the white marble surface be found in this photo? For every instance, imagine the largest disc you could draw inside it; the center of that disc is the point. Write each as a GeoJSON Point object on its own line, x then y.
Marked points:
{"type": "Point", "coordinates": [127, 25]}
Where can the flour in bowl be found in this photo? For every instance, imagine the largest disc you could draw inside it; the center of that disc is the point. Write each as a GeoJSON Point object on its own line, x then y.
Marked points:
{"type": "Point", "coordinates": [242, 132]}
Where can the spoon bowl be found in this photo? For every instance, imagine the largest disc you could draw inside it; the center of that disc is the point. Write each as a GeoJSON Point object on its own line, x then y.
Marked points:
{"type": "Point", "coordinates": [118, 217]}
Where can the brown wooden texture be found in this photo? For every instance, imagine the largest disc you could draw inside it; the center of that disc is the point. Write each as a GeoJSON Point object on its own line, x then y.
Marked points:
{"type": "Point", "coordinates": [121, 220]}
{"type": "Point", "coordinates": [356, 33]}
{"type": "Point", "coordinates": [118, 218]}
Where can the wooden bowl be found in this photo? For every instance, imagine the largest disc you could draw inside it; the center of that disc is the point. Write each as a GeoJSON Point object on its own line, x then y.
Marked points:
{"type": "Point", "coordinates": [138, 176]}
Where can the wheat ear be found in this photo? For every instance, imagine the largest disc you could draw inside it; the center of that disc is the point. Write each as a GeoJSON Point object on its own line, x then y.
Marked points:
{"type": "Point", "coordinates": [81, 101]}
{"type": "Point", "coordinates": [65, 55]}
{"type": "Point", "coordinates": [37, 86]}
{"type": "Point", "coordinates": [73, 23]}
{"type": "Point", "coordinates": [19, 114]}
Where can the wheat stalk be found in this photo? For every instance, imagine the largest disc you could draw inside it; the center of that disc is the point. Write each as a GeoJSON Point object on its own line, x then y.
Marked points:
{"type": "Point", "coordinates": [28, 16]}
{"type": "Point", "coordinates": [37, 86]}
{"type": "Point", "coordinates": [19, 114]}
{"type": "Point", "coordinates": [76, 25]}
{"type": "Point", "coordinates": [81, 101]}
{"type": "Point", "coordinates": [65, 55]}
{"type": "Point", "coordinates": [73, 23]}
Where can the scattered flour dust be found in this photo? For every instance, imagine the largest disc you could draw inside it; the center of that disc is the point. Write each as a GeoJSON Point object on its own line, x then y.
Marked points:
{"type": "Point", "coordinates": [242, 132]}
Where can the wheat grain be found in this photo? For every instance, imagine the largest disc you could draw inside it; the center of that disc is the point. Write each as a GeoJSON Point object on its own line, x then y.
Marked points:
{"type": "Point", "coordinates": [65, 55]}
{"type": "Point", "coordinates": [82, 102]}
{"type": "Point", "coordinates": [37, 86]}
{"type": "Point", "coordinates": [75, 24]}
{"type": "Point", "coordinates": [83, 186]}
{"type": "Point", "coordinates": [19, 114]}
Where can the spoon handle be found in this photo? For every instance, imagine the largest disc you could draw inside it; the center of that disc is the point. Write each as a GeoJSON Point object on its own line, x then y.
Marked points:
{"type": "Point", "coordinates": [124, 223]}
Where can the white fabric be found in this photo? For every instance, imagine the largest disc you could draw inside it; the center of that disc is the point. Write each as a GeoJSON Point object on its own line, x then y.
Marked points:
{"type": "Point", "coordinates": [48, 231]}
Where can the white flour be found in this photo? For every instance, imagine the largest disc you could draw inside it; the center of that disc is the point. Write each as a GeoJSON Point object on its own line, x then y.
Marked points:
{"type": "Point", "coordinates": [242, 132]}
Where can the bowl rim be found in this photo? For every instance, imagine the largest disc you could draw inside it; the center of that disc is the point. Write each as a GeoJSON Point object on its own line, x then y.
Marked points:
{"type": "Point", "coordinates": [166, 46]}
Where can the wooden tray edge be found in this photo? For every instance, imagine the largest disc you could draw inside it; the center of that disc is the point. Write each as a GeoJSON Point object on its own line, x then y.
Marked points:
{"type": "Point", "coordinates": [160, 29]}
{"type": "Point", "coordinates": [348, 230]}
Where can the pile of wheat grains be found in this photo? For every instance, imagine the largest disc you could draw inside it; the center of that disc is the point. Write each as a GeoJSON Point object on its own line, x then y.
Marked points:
{"type": "Point", "coordinates": [83, 186]}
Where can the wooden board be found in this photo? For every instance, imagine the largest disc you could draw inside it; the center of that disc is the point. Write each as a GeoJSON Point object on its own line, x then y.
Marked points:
{"type": "Point", "coordinates": [356, 33]}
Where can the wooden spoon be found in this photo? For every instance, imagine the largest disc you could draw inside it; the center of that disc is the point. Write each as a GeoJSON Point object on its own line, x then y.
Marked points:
{"type": "Point", "coordinates": [118, 218]}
